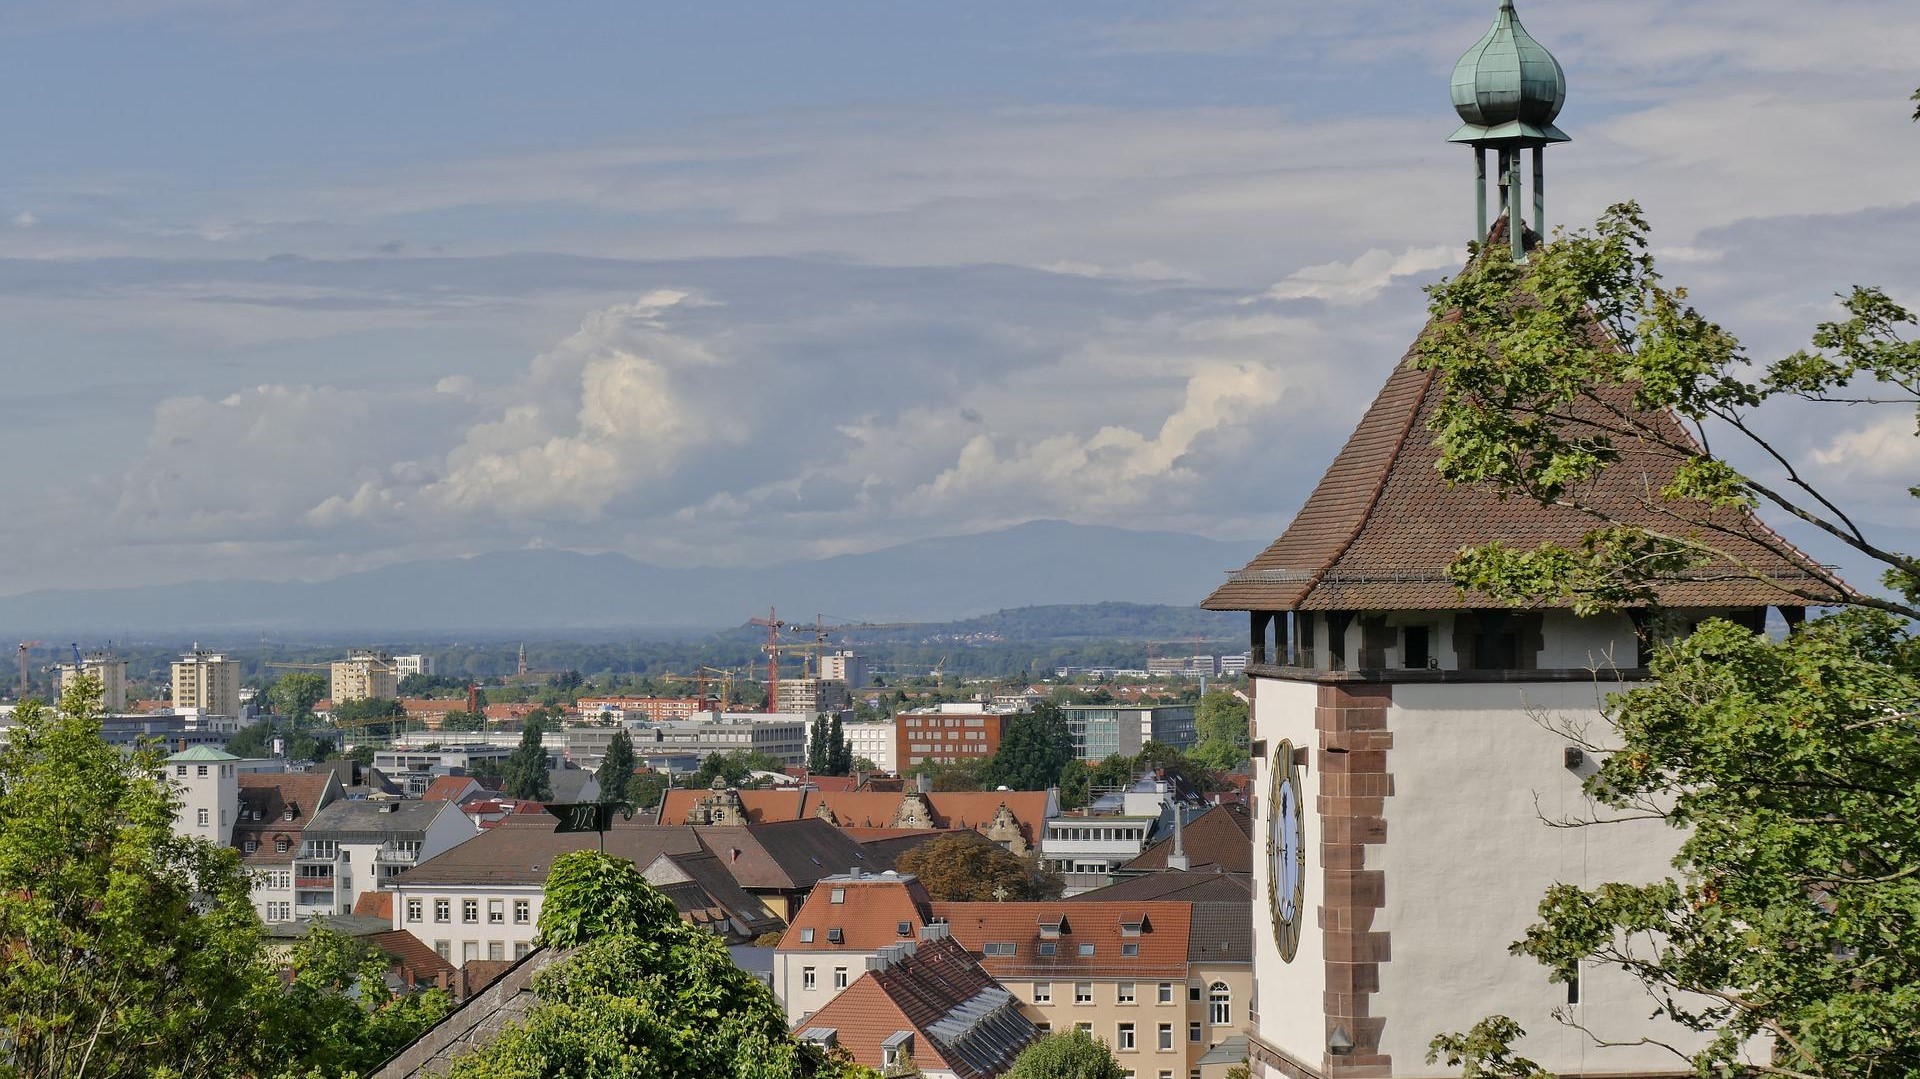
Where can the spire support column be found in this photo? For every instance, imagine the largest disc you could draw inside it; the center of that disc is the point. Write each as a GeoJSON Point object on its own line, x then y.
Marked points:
{"type": "Point", "coordinates": [1516, 226]}
{"type": "Point", "coordinates": [1480, 190]}
{"type": "Point", "coordinates": [1540, 190]}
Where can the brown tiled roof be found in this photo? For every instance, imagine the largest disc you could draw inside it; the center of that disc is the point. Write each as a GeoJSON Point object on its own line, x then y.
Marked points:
{"type": "Point", "coordinates": [869, 918]}
{"type": "Point", "coordinates": [1222, 836]}
{"type": "Point", "coordinates": [784, 855]}
{"type": "Point", "coordinates": [961, 1019]}
{"type": "Point", "coordinates": [476, 1022]}
{"type": "Point", "coordinates": [449, 789]}
{"type": "Point", "coordinates": [1222, 928]}
{"type": "Point", "coordinates": [1379, 530]}
{"type": "Point", "coordinates": [375, 904]}
{"type": "Point", "coordinates": [709, 897]}
{"type": "Point", "coordinates": [272, 794]}
{"type": "Point", "coordinates": [418, 964]}
{"type": "Point", "coordinates": [1163, 941]}
{"type": "Point", "coordinates": [522, 848]}
{"type": "Point", "coordinates": [870, 808]}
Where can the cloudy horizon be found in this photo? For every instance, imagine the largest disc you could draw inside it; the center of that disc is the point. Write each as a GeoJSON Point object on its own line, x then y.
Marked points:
{"type": "Point", "coordinates": [299, 288]}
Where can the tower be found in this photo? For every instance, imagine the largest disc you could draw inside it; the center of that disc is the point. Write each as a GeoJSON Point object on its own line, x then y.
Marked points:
{"type": "Point", "coordinates": [1508, 90]}
{"type": "Point", "coordinates": [206, 683]}
{"type": "Point", "coordinates": [1409, 738]}
{"type": "Point", "coordinates": [110, 669]}
{"type": "Point", "coordinates": [208, 783]}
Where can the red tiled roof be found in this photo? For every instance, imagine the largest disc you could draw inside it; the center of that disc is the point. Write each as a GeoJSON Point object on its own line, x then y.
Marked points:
{"type": "Point", "coordinates": [1162, 941]}
{"type": "Point", "coordinates": [376, 904]}
{"type": "Point", "coordinates": [938, 981]}
{"type": "Point", "coordinates": [1382, 525]}
{"type": "Point", "coordinates": [867, 809]}
{"type": "Point", "coordinates": [449, 789]}
{"type": "Point", "coordinates": [272, 794]}
{"type": "Point", "coordinates": [869, 918]}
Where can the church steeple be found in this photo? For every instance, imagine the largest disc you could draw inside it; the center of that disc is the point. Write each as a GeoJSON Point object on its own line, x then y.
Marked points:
{"type": "Point", "coordinates": [1508, 90]}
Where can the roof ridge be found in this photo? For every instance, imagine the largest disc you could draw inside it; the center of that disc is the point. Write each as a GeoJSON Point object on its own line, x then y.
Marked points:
{"type": "Point", "coordinates": [1384, 474]}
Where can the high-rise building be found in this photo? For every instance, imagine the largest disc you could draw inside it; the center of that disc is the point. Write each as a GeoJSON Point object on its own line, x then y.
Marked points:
{"type": "Point", "coordinates": [406, 665]}
{"type": "Point", "coordinates": [207, 683]}
{"type": "Point", "coordinates": [1401, 769]}
{"type": "Point", "coordinates": [110, 669]}
{"type": "Point", "coordinates": [845, 666]}
{"type": "Point", "coordinates": [366, 672]}
{"type": "Point", "coordinates": [810, 695]}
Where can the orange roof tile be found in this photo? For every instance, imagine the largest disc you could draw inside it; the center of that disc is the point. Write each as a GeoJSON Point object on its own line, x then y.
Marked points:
{"type": "Point", "coordinates": [869, 917]}
{"type": "Point", "coordinates": [1161, 943]}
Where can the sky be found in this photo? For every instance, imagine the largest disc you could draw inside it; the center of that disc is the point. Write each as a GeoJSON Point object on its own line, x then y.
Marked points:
{"type": "Point", "coordinates": [290, 288]}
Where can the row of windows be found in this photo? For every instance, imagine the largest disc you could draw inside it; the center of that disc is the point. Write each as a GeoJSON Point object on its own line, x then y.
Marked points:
{"type": "Point", "coordinates": [470, 911]}
{"type": "Point", "coordinates": [809, 978]}
{"type": "Point", "coordinates": [470, 949]}
{"type": "Point", "coordinates": [1047, 948]}
{"type": "Point", "coordinates": [1097, 835]}
{"type": "Point", "coordinates": [913, 721]}
{"type": "Point", "coordinates": [1218, 997]}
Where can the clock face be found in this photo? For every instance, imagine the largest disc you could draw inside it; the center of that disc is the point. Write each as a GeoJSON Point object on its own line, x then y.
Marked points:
{"type": "Point", "coordinates": [1286, 852]}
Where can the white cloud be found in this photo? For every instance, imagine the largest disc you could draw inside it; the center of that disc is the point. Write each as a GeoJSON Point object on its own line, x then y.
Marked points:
{"type": "Point", "coordinates": [25, 219]}
{"type": "Point", "coordinates": [1885, 450]}
{"type": "Point", "coordinates": [1346, 283]}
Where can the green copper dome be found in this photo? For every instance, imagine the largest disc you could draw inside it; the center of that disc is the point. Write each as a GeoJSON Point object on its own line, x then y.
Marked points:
{"type": "Point", "coordinates": [1508, 88]}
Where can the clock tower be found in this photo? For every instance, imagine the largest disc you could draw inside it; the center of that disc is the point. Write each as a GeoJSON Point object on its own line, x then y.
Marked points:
{"type": "Point", "coordinates": [1410, 740]}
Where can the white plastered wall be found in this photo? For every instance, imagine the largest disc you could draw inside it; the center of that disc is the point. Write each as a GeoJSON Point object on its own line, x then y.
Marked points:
{"type": "Point", "coordinates": [1291, 995]}
{"type": "Point", "coordinates": [1467, 859]}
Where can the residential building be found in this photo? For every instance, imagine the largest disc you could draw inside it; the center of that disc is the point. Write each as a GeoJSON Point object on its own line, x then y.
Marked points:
{"type": "Point", "coordinates": [482, 899]}
{"type": "Point", "coordinates": [274, 812]}
{"type": "Point", "coordinates": [1087, 850]}
{"type": "Point", "coordinates": [948, 733]}
{"type": "Point", "coordinates": [874, 740]}
{"type": "Point", "coordinates": [810, 696]}
{"type": "Point", "coordinates": [365, 673]}
{"type": "Point", "coordinates": [1014, 819]}
{"type": "Point", "coordinates": [1399, 753]}
{"type": "Point", "coordinates": [349, 848]}
{"type": "Point", "coordinates": [1160, 666]}
{"type": "Point", "coordinates": [925, 1004]}
{"type": "Point", "coordinates": [208, 783]}
{"type": "Point", "coordinates": [206, 683]}
{"type": "Point", "coordinates": [1125, 971]}
{"type": "Point", "coordinates": [782, 737]}
{"type": "Point", "coordinates": [847, 668]}
{"type": "Point", "coordinates": [847, 919]}
{"type": "Point", "coordinates": [650, 709]}
{"type": "Point", "coordinates": [416, 664]}
{"type": "Point", "coordinates": [110, 669]}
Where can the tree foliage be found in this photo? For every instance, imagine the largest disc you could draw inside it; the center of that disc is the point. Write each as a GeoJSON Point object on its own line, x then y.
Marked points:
{"type": "Point", "coordinates": [735, 768]}
{"type": "Point", "coordinates": [1221, 726]}
{"type": "Point", "coordinates": [337, 1015]}
{"type": "Point", "coordinates": [1792, 766]}
{"type": "Point", "coordinates": [616, 769]}
{"type": "Point", "coordinates": [1069, 1054]}
{"type": "Point", "coordinates": [525, 769]}
{"type": "Point", "coordinates": [1034, 750]}
{"type": "Point", "coordinates": [643, 995]}
{"type": "Point", "coordinates": [966, 866]}
{"type": "Point", "coordinates": [295, 694]}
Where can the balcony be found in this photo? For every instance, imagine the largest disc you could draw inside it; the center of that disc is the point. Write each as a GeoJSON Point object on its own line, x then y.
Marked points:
{"type": "Point", "coordinates": [396, 856]}
{"type": "Point", "coordinates": [304, 883]}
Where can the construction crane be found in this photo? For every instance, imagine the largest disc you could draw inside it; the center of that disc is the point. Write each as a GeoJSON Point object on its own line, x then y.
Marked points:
{"type": "Point", "coordinates": [774, 626]}
{"type": "Point", "coordinates": [25, 647]}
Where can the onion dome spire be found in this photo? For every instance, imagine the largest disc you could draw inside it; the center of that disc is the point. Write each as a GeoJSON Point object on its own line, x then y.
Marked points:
{"type": "Point", "coordinates": [1508, 90]}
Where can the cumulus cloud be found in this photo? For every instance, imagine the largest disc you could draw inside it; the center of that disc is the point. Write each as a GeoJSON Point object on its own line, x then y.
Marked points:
{"type": "Point", "coordinates": [1885, 450]}
{"type": "Point", "coordinates": [1346, 283]}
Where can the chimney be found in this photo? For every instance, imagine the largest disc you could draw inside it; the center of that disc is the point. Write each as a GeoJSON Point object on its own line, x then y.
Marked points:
{"type": "Point", "coordinates": [935, 931]}
{"type": "Point", "coordinates": [1178, 859]}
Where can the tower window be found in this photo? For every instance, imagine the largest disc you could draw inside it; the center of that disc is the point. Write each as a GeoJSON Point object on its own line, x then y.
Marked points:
{"type": "Point", "coordinates": [1416, 648]}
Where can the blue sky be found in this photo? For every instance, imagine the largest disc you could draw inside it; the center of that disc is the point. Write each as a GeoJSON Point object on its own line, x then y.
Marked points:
{"type": "Point", "coordinates": [289, 288]}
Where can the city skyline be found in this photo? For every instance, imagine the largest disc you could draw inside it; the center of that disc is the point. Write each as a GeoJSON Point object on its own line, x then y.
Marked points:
{"type": "Point", "coordinates": [297, 289]}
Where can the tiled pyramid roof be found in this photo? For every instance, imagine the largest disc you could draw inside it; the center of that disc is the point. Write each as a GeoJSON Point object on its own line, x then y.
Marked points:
{"type": "Point", "coordinates": [1380, 529]}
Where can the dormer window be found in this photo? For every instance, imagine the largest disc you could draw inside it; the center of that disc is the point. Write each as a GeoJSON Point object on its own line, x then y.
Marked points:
{"type": "Point", "coordinates": [281, 845]}
{"type": "Point", "coordinates": [1135, 928]}
{"type": "Point", "coordinates": [835, 936]}
{"type": "Point", "coordinates": [906, 929]}
{"type": "Point", "coordinates": [806, 935]}
{"type": "Point", "coordinates": [1052, 928]}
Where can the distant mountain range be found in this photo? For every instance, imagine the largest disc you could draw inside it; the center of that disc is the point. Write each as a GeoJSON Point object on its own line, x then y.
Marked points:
{"type": "Point", "coordinates": [954, 577]}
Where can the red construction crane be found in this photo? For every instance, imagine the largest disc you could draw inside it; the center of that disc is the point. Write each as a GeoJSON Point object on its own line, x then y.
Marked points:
{"type": "Point", "coordinates": [774, 626]}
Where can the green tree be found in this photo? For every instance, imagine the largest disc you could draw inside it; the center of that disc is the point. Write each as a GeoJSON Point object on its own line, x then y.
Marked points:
{"type": "Point", "coordinates": [367, 710]}
{"type": "Point", "coordinates": [525, 769]}
{"type": "Point", "coordinates": [960, 775]}
{"type": "Point", "coordinates": [130, 950]}
{"type": "Point", "coordinates": [337, 1016]}
{"type": "Point", "coordinates": [817, 748]}
{"type": "Point", "coordinates": [1792, 766]}
{"type": "Point", "coordinates": [463, 721]}
{"type": "Point", "coordinates": [616, 769]}
{"type": "Point", "coordinates": [254, 740]}
{"type": "Point", "coordinates": [644, 994]}
{"type": "Point", "coordinates": [307, 746]}
{"type": "Point", "coordinates": [839, 753]}
{"type": "Point", "coordinates": [295, 694]}
{"type": "Point", "coordinates": [647, 788]}
{"type": "Point", "coordinates": [966, 866]}
{"type": "Point", "coordinates": [1076, 785]}
{"type": "Point", "coordinates": [1034, 750]}
{"type": "Point", "coordinates": [1069, 1054]}
{"type": "Point", "coordinates": [1222, 726]}
{"type": "Point", "coordinates": [735, 768]}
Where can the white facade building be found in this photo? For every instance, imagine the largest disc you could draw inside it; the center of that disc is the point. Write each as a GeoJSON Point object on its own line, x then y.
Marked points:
{"type": "Point", "coordinates": [354, 847]}
{"type": "Point", "coordinates": [209, 786]}
{"type": "Point", "coordinates": [874, 741]}
{"type": "Point", "coordinates": [406, 665]}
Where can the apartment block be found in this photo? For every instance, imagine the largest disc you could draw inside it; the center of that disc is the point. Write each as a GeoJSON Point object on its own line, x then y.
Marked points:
{"type": "Point", "coordinates": [110, 669]}
{"type": "Point", "coordinates": [207, 683]}
{"type": "Point", "coordinates": [365, 673]}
